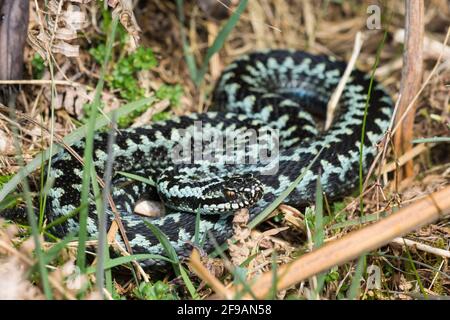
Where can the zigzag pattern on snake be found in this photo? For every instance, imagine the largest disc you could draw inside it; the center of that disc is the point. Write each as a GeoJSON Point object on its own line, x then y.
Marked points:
{"type": "Point", "coordinates": [281, 90]}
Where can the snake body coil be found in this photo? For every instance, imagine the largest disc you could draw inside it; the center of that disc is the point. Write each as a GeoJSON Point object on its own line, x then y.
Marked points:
{"type": "Point", "coordinates": [278, 91]}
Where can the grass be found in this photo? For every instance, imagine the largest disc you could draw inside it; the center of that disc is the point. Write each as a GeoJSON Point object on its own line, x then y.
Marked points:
{"type": "Point", "coordinates": [122, 79]}
{"type": "Point", "coordinates": [115, 262]}
{"type": "Point", "coordinates": [88, 153]}
{"type": "Point", "coordinates": [43, 195]}
{"type": "Point", "coordinates": [170, 251]}
{"type": "Point", "coordinates": [103, 248]}
{"type": "Point", "coordinates": [197, 74]}
{"type": "Point", "coordinates": [319, 235]}
{"type": "Point", "coordinates": [32, 219]}
{"type": "Point", "coordinates": [413, 267]}
{"type": "Point", "coordinates": [353, 291]}
{"type": "Point", "coordinates": [136, 177]}
{"type": "Point", "coordinates": [123, 73]}
{"type": "Point", "coordinates": [68, 140]}
{"type": "Point", "coordinates": [86, 131]}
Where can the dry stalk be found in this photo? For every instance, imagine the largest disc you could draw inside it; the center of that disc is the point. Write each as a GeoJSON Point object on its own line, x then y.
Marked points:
{"type": "Point", "coordinates": [411, 77]}
{"type": "Point", "coordinates": [332, 104]}
{"type": "Point", "coordinates": [406, 157]}
{"type": "Point", "coordinates": [42, 82]}
{"type": "Point", "coordinates": [421, 246]}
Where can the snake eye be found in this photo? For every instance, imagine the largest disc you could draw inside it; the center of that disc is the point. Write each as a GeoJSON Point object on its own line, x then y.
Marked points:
{"type": "Point", "coordinates": [230, 195]}
{"type": "Point", "coordinates": [237, 179]}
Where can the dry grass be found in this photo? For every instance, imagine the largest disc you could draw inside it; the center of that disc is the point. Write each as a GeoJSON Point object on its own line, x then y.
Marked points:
{"type": "Point", "coordinates": [318, 27]}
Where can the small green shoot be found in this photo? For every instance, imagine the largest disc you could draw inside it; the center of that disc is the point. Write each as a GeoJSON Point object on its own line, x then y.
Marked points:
{"type": "Point", "coordinates": [432, 140]}
{"type": "Point", "coordinates": [170, 251]}
{"type": "Point", "coordinates": [38, 66]}
{"type": "Point", "coordinates": [155, 291]}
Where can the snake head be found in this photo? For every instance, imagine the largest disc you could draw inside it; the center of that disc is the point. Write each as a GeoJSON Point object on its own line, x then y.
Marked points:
{"type": "Point", "coordinates": [242, 191]}
{"type": "Point", "coordinates": [209, 194]}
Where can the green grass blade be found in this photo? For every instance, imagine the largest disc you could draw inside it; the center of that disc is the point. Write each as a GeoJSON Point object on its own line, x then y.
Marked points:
{"type": "Point", "coordinates": [220, 39]}
{"type": "Point", "coordinates": [127, 259]}
{"type": "Point", "coordinates": [10, 201]}
{"type": "Point", "coordinates": [319, 236]}
{"type": "Point", "coordinates": [362, 260]}
{"type": "Point", "coordinates": [273, 289]}
{"type": "Point", "coordinates": [318, 232]}
{"type": "Point", "coordinates": [88, 152]}
{"type": "Point", "coordinates": [69, 140]}
{"type": "Point", "coordinates": [359, 221]}
{"type": "Point", "coordinates": [42, 199]}
{"type": "Point", "coordinates": [413, 267]}
{"type": "Point", "coordinates": [108, 275]}
{"type": "Point", "coordinates": [170, 251]}
{"type": "Point", "coordinates": [32, 219]}
{"type": "Point", "coordinates": [353, 291]}
{"type": "Point", "coordinates": [188, 283]}
{"type": "Point", "coordinates": [432, 140]}
{"type": "Point", "coordinates": [136, 177]}
{"type": "Point", "coordinates": [63, 219]}
{"type": "Point", "coordinates": [43, 191]}
{"type": "Point", "coordinates": [100, 206]}
{"type": "Point", "coordinates": [43, 196]}
{"type": "Point", "coordinates": [188, 55]}
{"type": "Point", "coordinates": [198, 75]}
{"type": "Point", "coordinates": [37, 243]}
{"type": "Point", "coordinates": [52, 253]}
{"type": "Point", "coordinates": [103, 246]}
{"type": "Point", "coordinates": [366, 108]}
{"type": "Point", "coordinates": [162, 238]}
{"type": "Point", "coordinates": [197, 228]}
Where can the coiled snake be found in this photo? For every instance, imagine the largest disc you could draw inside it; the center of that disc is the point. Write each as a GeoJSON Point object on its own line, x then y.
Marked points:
{"type": "Point", "coordinates": [276, 91]}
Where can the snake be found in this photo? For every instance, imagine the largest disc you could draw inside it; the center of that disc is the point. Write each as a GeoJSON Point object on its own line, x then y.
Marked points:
{"type": "Point", "coordinates": [272, 103]}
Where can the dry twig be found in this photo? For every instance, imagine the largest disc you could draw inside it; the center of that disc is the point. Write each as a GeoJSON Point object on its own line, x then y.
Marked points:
{"type": "Point", "coordinates": [421, 246]}
{"type": "Point", "coordinates": [411, 76]}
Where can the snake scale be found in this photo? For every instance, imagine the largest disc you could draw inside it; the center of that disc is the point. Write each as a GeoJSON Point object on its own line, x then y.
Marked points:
{"type": "Point", "coordinates": [281, 91]}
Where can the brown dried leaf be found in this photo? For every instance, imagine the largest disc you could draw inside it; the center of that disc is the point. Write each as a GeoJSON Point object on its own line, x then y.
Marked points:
{"type": "Point", "coordinates": [66, 49]}
{"type": "Point", "coordinates": [6, 144]}
{"type": "Point", "coordinates": [14, 284]}
{"type": "Point", "coordinates": [61, 24]}
{"type": "Point", "coordinates": [124, 10]}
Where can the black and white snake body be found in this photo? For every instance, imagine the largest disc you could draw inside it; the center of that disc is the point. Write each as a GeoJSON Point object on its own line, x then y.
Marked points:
{"type": "Point", "coordinates": [277, 91]}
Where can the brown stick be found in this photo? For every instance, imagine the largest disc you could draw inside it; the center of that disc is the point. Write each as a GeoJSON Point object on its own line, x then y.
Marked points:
{"type": "Point", "coordinates": [411, 76]}
{"type": "Point", "coordinates": [354, 244]}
